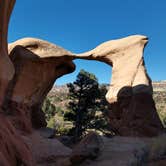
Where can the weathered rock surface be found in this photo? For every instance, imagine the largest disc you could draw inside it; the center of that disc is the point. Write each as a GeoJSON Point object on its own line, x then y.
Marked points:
{"type": "Point", "coordinates": [129, 87]}
{"type": "Point", "coordinates": [14, 151]}
{"type": "Point", "coordinates": [128, 151]}
{"type": "Point", "coordinates": [121, 151]}
{"type": "Point", "coordinates": [88, 148]}
{"type": "Point", "coordinates": [6, 66]}
{"type": "Point", "coordinates": [47, 132]}
{"type": "Point", "coordinates": [37, 65]}
{"type": "Point", "coordinates": [131, 78]}
{"type": "Point", "coordinates": [24, 84]}
{"type": "Point", "coordinates": [135, 115]}
{"type": "Point", "coordinates": [46, 151]}
{"type": "Point", "coordinates": [126, 58]}
{"type": "Point", "coordinates": [132, 109]}
{"type": "Point", "coordinates": [29, 72]}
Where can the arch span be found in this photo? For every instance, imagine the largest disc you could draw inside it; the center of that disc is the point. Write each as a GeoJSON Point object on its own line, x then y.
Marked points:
{"type": "Point", "coordinates": [39, 63]}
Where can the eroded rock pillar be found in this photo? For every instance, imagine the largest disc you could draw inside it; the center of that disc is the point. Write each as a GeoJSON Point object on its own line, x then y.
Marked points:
{"type": "Point", "coordinates": [132, 109]}
{"type": "Point", "coordinates": [6, 66]}
{"type": "Point", "coordinates": [38, 64]}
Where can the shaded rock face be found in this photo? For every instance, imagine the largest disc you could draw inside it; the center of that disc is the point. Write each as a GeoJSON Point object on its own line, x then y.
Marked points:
{"type": "Point", "coordinates": [46, 151]}
{"type": "Point", "coordinates": [88, 148]}
{"type": "Point", "coordinates": [134, 114]}
{"type": "Point", "coordinates": [13, 151]}
{"type": "Point", "coordinates": [6, 66]}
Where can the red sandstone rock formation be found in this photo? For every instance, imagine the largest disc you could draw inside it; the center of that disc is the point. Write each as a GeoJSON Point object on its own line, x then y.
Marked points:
{"type": "Point", "coordinates": [6, 66]}
{"type": "Point", "coordinates": [129, 87]}
{"type": "Point", "coordinates": [13, 151]}
{"type": "Point", "coordinates": [31, 70]}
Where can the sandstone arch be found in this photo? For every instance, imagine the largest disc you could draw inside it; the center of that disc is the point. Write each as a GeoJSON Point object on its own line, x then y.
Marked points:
{"type": "Point", "coordinates": [29, 72]}
{"type": "Point", "coordinates": [126, 57]}
{"type": "Point", "coordinates": [129, 77]}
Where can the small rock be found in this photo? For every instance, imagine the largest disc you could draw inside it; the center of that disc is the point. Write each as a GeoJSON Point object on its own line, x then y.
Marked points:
{"type": "Point", "coordinates": [88, 148]}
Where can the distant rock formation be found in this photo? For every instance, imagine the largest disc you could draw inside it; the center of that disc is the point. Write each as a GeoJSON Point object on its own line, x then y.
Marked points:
{"type": "Point", "coordinates": [159, 86]}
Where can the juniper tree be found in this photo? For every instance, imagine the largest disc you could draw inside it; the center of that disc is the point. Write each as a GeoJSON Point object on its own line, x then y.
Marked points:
{"type": "Point", "coordinates": [83, 94]}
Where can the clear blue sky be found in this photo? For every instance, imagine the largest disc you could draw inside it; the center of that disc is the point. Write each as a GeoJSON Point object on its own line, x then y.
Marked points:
{"type": "Point", "coordinates": [80, 25]}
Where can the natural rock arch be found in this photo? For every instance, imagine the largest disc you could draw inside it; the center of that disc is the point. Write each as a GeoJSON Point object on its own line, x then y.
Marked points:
{"type": "Point", "coordinates": [129, 79]}
{"type": "Point", "coordinates": [29, 72]}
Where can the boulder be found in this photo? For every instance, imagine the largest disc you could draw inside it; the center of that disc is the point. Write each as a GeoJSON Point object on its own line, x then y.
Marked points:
{"type": "Point", "coordinates": [46, 151]}
{"type": "Point", "coordinates": [88, 148]}
{"type": "Point", "coordinates": [128, 151]}
{"type": "Point", "coordinates": [47, 132]}
{"type": "Point", "coordinates": [121, 151]}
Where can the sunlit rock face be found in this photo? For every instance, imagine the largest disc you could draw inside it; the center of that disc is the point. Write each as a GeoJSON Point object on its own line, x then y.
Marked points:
{"type": "Point", "coordinates": [132, 109]}
{"type": "Point", "coordinates": [38, 64]}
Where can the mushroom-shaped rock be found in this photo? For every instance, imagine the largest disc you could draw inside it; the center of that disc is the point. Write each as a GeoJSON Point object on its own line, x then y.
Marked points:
{"type": "Point", "coordinates": [126, 57]}
{"type": "Point", "coordinates": [37, 64]}
{"type": "Point", "coordinates": [132, 109]}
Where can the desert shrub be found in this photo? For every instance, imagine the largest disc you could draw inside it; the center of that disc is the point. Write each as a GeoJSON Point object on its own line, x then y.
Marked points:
{"type": "Point", "coordinates": [49, 109]}
{"type": "Point", "coordinates": [51, 123]}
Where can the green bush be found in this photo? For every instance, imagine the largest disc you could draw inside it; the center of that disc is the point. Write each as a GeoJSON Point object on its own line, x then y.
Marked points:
{"type": "Point", "coordinates": [51, 123]}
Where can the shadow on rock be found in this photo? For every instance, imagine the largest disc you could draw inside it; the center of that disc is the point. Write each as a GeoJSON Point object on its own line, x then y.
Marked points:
{"type": "Point", "coordinates": [134, 113]}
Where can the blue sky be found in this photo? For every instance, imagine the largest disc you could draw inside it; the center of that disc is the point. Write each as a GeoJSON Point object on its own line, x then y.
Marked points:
{"type": "Point", "coordinates": [80, 25]}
